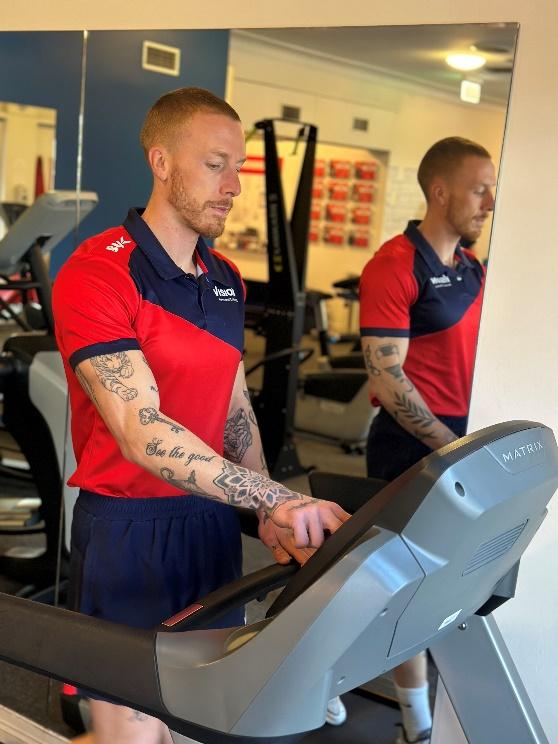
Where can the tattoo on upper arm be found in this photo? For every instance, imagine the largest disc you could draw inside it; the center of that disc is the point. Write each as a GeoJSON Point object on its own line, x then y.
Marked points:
{"type": "Point", "coordinates": [112, 369]}
{"type": "Point", "coordinates": [382, 353]}
{"type": "Point", "coordinates": [369, 364]}
{"type": "Point", "coordinates": [250, 409]}
{"type": "Point", "coordinates": [150, 415]}
{"type": "Point", "coordinates": [86, 386]}
{"type": "Point", "coordinates": [238, 436]}
{"type": "Point", "coordinates": [396, 371]}
{"type": "Point", "coordinates": [243, 487]}
{"type": "Point", "coordinates": [386, 350]}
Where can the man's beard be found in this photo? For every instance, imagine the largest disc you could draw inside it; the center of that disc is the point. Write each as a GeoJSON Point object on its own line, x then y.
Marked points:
{"type": "Point", "coordinates": [464, 227]}
{"type": "Point", "coordinates": [192, 212]}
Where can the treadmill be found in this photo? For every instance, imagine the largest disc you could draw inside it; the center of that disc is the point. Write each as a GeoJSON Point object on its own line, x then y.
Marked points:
{"type": "Point", "coordinates": [420, 565]}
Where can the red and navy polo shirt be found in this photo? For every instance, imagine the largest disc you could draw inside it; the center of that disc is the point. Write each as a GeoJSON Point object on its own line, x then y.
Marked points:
{"type": "Point", "coordinates": [407, 292]}
{"type": "Point", "coordinates": [120, 291]}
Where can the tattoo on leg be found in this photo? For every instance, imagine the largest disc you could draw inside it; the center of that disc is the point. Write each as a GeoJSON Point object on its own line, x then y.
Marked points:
{"type": "Point", "coordinates": [185, 484]}
{"type": "Point", "coordinates": [265, 469]}
{"type": "Point", "coordinates": [238, 436]}
{"type": "Point", "coordinates": [150, 415]}
{"type": "Point", "coordinates": [111, 369]}
{"type": "Point", "coordinates": [243, 487]}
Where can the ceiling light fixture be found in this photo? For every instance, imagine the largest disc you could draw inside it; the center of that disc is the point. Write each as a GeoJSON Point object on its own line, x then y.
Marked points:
{"type": "Point", "coordinates": [465, 62]}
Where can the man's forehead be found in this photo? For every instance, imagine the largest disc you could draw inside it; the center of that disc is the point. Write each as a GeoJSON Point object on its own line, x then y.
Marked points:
{"type": "Point", "coordinates": [475, 169]}
{"type": "Point", "coordinates": [212, 130]}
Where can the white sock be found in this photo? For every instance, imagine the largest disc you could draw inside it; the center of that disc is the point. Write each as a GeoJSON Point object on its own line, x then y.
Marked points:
{"type": "Point", "coordinates": [415, 709]}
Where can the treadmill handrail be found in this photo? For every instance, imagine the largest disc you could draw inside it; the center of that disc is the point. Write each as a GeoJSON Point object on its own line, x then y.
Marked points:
{"type": "Point", "coordinates": [252, 586]}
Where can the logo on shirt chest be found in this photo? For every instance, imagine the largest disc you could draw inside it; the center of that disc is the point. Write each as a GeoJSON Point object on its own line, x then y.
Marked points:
{"type": "Point", "coordinates": [225, 295]}
{"type": "Point", "coordinates": [117, 245]}
{"type": "Point", "coordinates": [440, 281]}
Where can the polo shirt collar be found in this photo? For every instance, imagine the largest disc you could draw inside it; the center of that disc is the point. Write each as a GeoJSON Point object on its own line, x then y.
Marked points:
{"type": "Point", "coordinates": [428, 253]}
{"type": "Point", "coordinates": [146, 241]}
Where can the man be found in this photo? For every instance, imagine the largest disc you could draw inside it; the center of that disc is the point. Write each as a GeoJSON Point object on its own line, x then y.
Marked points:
{"type": "Point", "coordinates": [149, 322]}
{"type": "Point", "coordinates": [420, 303]}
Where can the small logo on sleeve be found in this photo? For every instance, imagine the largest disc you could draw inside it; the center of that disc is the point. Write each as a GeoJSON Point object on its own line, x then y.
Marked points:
{"type": "Point", "coordinates": [117, 245]}
{"type": "Point", "coordinates": [225, 295]}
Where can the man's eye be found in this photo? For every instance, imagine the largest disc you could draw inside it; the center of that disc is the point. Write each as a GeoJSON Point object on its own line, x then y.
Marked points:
{"type": "Point", "coordinates": [213, 166]}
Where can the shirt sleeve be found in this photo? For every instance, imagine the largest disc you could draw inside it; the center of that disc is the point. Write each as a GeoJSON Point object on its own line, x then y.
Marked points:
{"type": "Point", "coordinates": [94, 305]}
{"type": "Point", "coordinates": [388, 289]}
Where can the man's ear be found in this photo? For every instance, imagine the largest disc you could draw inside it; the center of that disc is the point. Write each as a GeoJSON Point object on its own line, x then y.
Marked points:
{"type": "Point", "coordinates": [159, 161]}
{"type": "Point", "coordinates": [439, 192]}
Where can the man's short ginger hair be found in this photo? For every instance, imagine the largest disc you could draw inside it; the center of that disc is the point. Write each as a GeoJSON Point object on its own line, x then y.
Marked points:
{"type": "Point", "coordinates": [444, 157]}
{"type": "Point", "coordinates": [166, 118]}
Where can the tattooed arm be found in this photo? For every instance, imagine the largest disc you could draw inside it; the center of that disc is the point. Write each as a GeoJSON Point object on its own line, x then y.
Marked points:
{"type": "Point", "coordinates": [242, 441]}
{"type": "Point", "coordinates": [243, 445]}
{"type": "Point", "coordinates": [124, 391]}
{"type": "Point", "coordinates": [384, 359]}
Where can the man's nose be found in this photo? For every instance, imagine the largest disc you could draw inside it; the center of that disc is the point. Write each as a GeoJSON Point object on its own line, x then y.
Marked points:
{"type": "Point", "coordinates": [488, 202]}
{"type": "Point", "coordinates": [231, 183]}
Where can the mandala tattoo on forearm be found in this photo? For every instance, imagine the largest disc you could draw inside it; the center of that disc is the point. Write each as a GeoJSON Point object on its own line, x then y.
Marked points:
{"type": "Point", "coordinates": [238, 436]}
{"type": "Point", "coordinates": [243, 487]}
{"type": "Point", "coordinates": [150, 415]}
{"type": "Point", "coordinates": [111, 369]}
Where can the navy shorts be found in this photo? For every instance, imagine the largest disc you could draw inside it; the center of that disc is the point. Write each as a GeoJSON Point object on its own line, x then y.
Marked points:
{"type": "Point", "coordinates": [140, 561]}
{"type": "Point", "coordinates": [391, 450]}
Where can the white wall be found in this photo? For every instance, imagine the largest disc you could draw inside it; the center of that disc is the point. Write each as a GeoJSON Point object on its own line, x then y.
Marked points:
{"type": "Point", "coordinates": [517, 358]}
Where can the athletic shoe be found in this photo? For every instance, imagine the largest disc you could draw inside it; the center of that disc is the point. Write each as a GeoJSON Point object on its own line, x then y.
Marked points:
{"type": "Point", "coordinates": [422, 738]}
{"type": "Point", "coordinates": [336, 712]}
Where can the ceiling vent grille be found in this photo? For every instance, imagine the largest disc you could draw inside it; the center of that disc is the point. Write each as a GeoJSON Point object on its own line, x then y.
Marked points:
{"type": "Point", "coordinates": [160, 58]}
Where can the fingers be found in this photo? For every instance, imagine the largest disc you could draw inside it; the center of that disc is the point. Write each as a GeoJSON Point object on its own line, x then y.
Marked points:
{"type": "Point", "coordinates": [301, 555]}
{"type": "Point", "coordinates": [308, 521]}
{"type": "Point", "coordinates": [333, 518]}
{"type": "Point", "coordinates": [280, 554]}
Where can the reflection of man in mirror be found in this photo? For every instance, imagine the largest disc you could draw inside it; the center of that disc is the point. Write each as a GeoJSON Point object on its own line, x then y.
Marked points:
{"type": "Point", "coordinates": [420, 303]}
{"type": "Point", "coordinates": [149, 321]}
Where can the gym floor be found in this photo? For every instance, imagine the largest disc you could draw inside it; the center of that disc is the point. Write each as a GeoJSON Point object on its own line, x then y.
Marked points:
{"type": "Point", "coordinates": [369, 722]}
